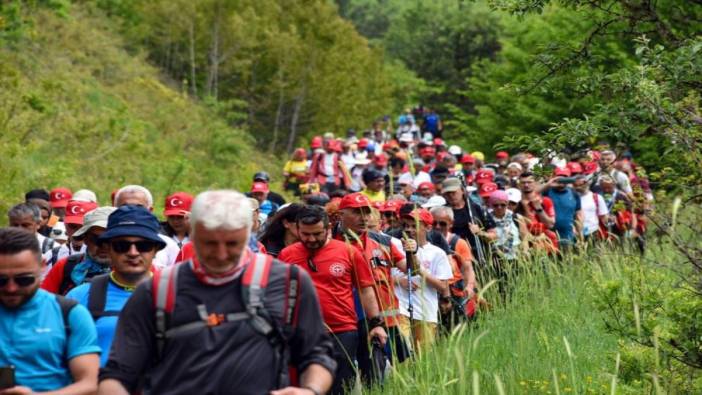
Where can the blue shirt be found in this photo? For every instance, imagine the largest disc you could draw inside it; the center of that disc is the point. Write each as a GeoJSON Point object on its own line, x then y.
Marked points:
{"type": "Point", "coordinates": [33, 339]}
{"type": "Point", "coordinates": [566, 203]}
{"type": "Point", "coordinates": [115, 300]}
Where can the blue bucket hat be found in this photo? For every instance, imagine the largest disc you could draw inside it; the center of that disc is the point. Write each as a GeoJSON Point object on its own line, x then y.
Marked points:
{"type": "Point", "coordinates": [135, 221]}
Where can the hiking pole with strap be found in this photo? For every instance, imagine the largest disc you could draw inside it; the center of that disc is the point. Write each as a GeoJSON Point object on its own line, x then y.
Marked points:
{"type": "Point", "coordinates": [466, 199]}
{"type": "Point", "coordinates": [410, 259]}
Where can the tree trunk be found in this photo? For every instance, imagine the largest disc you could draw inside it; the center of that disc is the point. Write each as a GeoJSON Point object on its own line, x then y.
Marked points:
{"type": "Point", "coordinates": [212, 78]}
{"type": "Point", "coordinates": [278, 112]}
{"type": "Point", "coordinates": [295, 117]}
{"type": "Point", "coordinates": [193, 80]}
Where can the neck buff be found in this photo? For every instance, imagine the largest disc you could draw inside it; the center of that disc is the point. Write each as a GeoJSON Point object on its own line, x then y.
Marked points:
{"type": "Point", "coordinates": [222, 278]}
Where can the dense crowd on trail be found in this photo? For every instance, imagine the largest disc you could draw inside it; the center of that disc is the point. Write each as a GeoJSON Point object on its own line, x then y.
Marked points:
{"type": "Point", "coordinates": [390, 237]}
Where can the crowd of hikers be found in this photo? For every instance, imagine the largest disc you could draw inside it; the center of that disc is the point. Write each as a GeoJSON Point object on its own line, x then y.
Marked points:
{"type": "Point", "coordinates": [391, 235]}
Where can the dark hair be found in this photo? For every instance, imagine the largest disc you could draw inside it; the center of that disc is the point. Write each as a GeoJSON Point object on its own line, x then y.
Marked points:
{"type": "Point", "coordinates": [339, 193]}
{"type": "Point", "coordinates": [24, 209]}
{"type": "Point", "coordinates": [275, 231]}
{"type": "Point", "coordinates": [407, 208]}
{"type": "Point", "coordinates": [37, 194]}
{"type": "Point", "coordinates": [310, 215]}
{"type": "Point", "coordinates": [15, 240]}
{"type": "Point", "coordinates": [395, 161]}
{"type": "Point", "coordinates": [526, 174]}
{"type": "Point", "coordinates": [370, 175]}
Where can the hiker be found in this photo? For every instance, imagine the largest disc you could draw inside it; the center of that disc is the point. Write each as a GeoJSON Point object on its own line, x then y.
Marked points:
{"type": "Point", "coordinates": [296, 171]}
{"type": "Point", "coordinates": [132, 240]}
{"type": "Point", "coordinates": [79, 268]}
{"type": "Point", "coordinates": [177, 212]}
{"type": "Point", "coordinates": [58, 198]}
{"type": "Point", "coordinates": [566, 204]}
{"type": "Point", "coordinates": [336, 268]}
{"type": "Point", "coordinates": [223, 314]}
{"type": "Point", "coordinates": [48, 341]}
{"type": "Point", "coordinates": [28, 217]}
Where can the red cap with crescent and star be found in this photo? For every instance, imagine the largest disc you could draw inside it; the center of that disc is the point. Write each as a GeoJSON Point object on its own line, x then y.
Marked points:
{"type": "Point", "coordinates": [354, 200]}
{"type": "Point", "coordinates": [178, 203]}
{"type": "Point", "coordinates": [76, 209]}
{"type": "Point", "coordinates": [59, 197]}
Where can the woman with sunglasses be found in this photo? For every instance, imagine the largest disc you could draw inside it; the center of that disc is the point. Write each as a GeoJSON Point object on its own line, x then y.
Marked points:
{"type": "Point", "coordinates": [132, 241]}
{"type": "Point", "coordinates": [509, 231]}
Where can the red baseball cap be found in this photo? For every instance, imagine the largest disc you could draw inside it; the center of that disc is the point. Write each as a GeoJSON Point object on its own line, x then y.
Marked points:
{"type": "Point", "coordinates": [363, 143]}
{"type": "Point", "coordinates": [502, 155]}
{"type": "Point", "coordinates": [483, 176]}
{"type": "Point", "coordinates": [561, 171]}
{"type": "Point", "coordinates": [590, 168]}
{"type": "Point", "coordinates": [574, 168]}
{"type": "Point", "coordinates": [316, 142]}
{"type": "Point", "coordinates": [467, 158]}
{"type": "Point", "coordinates": [595, 155]}
{"type": "Point", "coordinates": [438, 141]}
{"type": "Point", "coordinates": [380, 159]}
{"type": "Point", "coordinates": [76, 209]}
{"type": "Point", "coordinates": [441, 155]}
{"type": "Point", "coordinates": [391, 205]}
{"type": "Point", "coordinates": [59, 197]}
{"type": "Point", "coordinates": [259, 187]}
{"type": "Point", "coordinates": [354, 200]}
{"type": "Point", "coordinates": [487, 188]}
{"type": "Point", "coordinates": [178, 203]}
{"type": "Point", "coordinates": [421, 214]}
{"type": "Point", "coordinates": [427, 151]}
{"type": "Point", "coordinates": [426, 184]}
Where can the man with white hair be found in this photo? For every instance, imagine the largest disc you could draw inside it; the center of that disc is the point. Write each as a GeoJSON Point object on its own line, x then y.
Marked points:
{"type": "Point", "coordinates": [137, 195]}
{"type": "Point", "coordinates": [227, 320]}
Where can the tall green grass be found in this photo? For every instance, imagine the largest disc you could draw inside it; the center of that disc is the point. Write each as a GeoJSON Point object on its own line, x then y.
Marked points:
{"type": "Point", "coordinates": [547, 337]}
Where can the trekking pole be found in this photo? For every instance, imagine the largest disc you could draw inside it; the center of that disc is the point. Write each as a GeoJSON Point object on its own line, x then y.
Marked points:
{"type": "Point", "coordinates": [466, 199]}
{"type": "Point", "coordinates": [409, 258]}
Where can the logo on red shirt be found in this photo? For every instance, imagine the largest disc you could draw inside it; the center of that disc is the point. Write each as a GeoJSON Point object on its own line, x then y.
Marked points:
{"type": "Point", "coordinates": [337, 269]}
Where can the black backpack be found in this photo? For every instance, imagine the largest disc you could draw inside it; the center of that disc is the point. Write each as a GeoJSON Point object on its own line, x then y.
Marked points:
{"type": "Point", "coordinates": [97, 297]}
{"type": "Point", "coordinates": [66, 281]}
{"type": "Point", "coordinates": [66, 306]}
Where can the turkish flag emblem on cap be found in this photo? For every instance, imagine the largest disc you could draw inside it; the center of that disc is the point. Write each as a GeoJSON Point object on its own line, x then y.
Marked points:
{"type": "Point", "coordinates": [76, 210]}
{"type": "Point", "coordinates": [487, 188]}
{"type": "Point", "coordinates": [483, 176]}
{"type": "Point", "coordinates": [59, 197]}
{"type": "Point", "coordinates": [178, 203]}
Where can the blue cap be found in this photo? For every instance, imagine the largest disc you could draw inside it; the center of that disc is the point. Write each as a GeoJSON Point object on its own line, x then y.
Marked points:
{"type": "Point", "coordinates": [134, 221]}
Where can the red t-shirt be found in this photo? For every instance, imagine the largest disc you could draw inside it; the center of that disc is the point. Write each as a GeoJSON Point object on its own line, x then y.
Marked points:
{"type": "Point", "coordinates": [339, 268]}
{"type": "Point", "coordinates": [537, 227]}
{"type": "Point", "coordinates": [381, 268]}
{"type": "Point", "coordinates": [54, 278]}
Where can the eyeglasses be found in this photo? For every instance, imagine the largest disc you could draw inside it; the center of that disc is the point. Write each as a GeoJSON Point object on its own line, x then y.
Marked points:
{"type": "Point", "coordinates": [23, 280]}
{"type": "Point", "coordinates": [123, 246]}
{"type": "Point", "coordinates": [499, 205]}
{"type": "Point", "coordinates": [311, 265]}
{"type": "Point", "coordinates": [442, 224]}
{"type": "Point", "coordinates": [388, 214]}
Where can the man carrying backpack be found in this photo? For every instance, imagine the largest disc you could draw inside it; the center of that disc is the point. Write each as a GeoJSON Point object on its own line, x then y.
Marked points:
{"type": "Point", "coordinates": [227, 321]}
{"type": "Point", "coordinates": [77, 269]}
{"type": "Point", "coordinates": [132, 241]}
{"type": "Point", "coordinates": [48, 342]}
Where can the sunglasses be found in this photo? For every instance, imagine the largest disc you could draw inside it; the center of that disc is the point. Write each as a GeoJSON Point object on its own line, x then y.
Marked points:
{"type": "Point", "coordinates": [123, 246]}
{"type": "Point", "coordinates": [388, 214]}
{"type": "Point", "coordinates": [23, 280]}
{"type": "Point", "coordinates": [499, 205]}
{"type": "Point", "coordinates": [442, 224]}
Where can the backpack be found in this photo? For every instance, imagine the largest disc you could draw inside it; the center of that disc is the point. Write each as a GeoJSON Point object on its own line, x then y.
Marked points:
{"type": "Point", "coordinates": [66, 281]}
{"type": "Point", "coordinates": [66, 306]}
{"type": "Point", "coordinates": [47, 244]}
{"type": "Point", "coordinates": [97, 297]}
{"type": "Point", "coordinates": [254, 281]}
{"type": "Point", "coordinates": [54, 255]}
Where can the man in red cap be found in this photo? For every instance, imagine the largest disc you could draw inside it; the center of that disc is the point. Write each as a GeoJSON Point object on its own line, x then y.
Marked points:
{"type": "Point", "coordinates": [58, 198]}
{"type": "Point", "coordinates": [468, 165]}
{"type": "Point", "coordinates": [538, 211]}
{"type": "Point", "coordinates": [426, 190]}
{"type": "Point", "coordinates": [380, 255]}
{"type": "Point", "coordinates": [259, 191]}
{"type": "Point", "coordinates": [177, 213]}
{"type": "Point", "coordinates": [486, 189]}
{"type": "Point", "coordinates": [567, 205]}
{"type": "Point", "coordinates": [75, 211]}
{"type": "Point", "coordinates": [429, 282]}
{"type": "Point", "coordinates": [502, 158]}
{"type": "Point", "coordinates": [336, 269]}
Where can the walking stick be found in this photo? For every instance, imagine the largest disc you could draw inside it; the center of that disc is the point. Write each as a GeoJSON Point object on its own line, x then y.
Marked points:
{"type": "Point", "coordinates": [466, 199]}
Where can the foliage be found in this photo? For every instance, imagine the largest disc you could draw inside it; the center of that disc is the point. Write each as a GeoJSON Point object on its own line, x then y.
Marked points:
{"type": "Point", "coordinates": [297, 68]}
{"type": "Point", "coordinates": [77, 110]}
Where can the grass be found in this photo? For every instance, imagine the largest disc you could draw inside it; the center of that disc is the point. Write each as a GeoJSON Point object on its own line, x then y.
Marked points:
{"type": "Point", "coordinates": [548, 338]}
{"type": "Point", "coordinates": [78, 110]}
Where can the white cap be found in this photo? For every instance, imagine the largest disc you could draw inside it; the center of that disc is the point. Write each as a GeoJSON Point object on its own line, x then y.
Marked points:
{"type": "Point", "coordinates": [420, 178]}
{"type": "Point", "coordinates": [85, 195]}
{"type": "Point", "coordinates": [434, 201]}
{"type": "Point", "coordinates": [514, 195]}
{"type": "Point", "coordinates": [406, 138]}
{"type": "Point", "coordinates": [405, 178]}
{"type": "Point", "coordinates": [515, 165]}
{"type": "Point", "coordinates": [97, 217]}
{"type": "Point", "coordinates": [428, 138]}
{"type": "Point", "coordinates": [455, 150]}
{"type": "Point", "coordinates": [58, 232]}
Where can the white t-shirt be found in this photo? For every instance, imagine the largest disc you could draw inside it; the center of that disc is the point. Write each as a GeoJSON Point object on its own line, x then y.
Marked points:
{"type": "Point", "coordinates": [591, 212]}
{"type": "Point", "coordinates": [167, 256]}
{"type": "Point", "coordinates": [425, 299]}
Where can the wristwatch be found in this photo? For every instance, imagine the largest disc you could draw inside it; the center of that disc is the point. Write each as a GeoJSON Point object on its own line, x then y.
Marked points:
{"type": "Point", "coordinates": [314, 390]}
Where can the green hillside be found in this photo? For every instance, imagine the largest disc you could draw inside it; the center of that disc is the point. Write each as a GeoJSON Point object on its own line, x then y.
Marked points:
{"type": "Point", "coordinates": [78, 110]}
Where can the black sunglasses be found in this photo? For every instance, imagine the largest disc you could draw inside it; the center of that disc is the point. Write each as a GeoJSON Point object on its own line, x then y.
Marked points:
{"type": "Point", "coordinates": [122, 246]}
{"type": "Point", "coordinates": [23, 280]}
{"type": "Point", "coordinates": [442, 224]}
{"type": "Point", "coordinates": [499, 205]}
